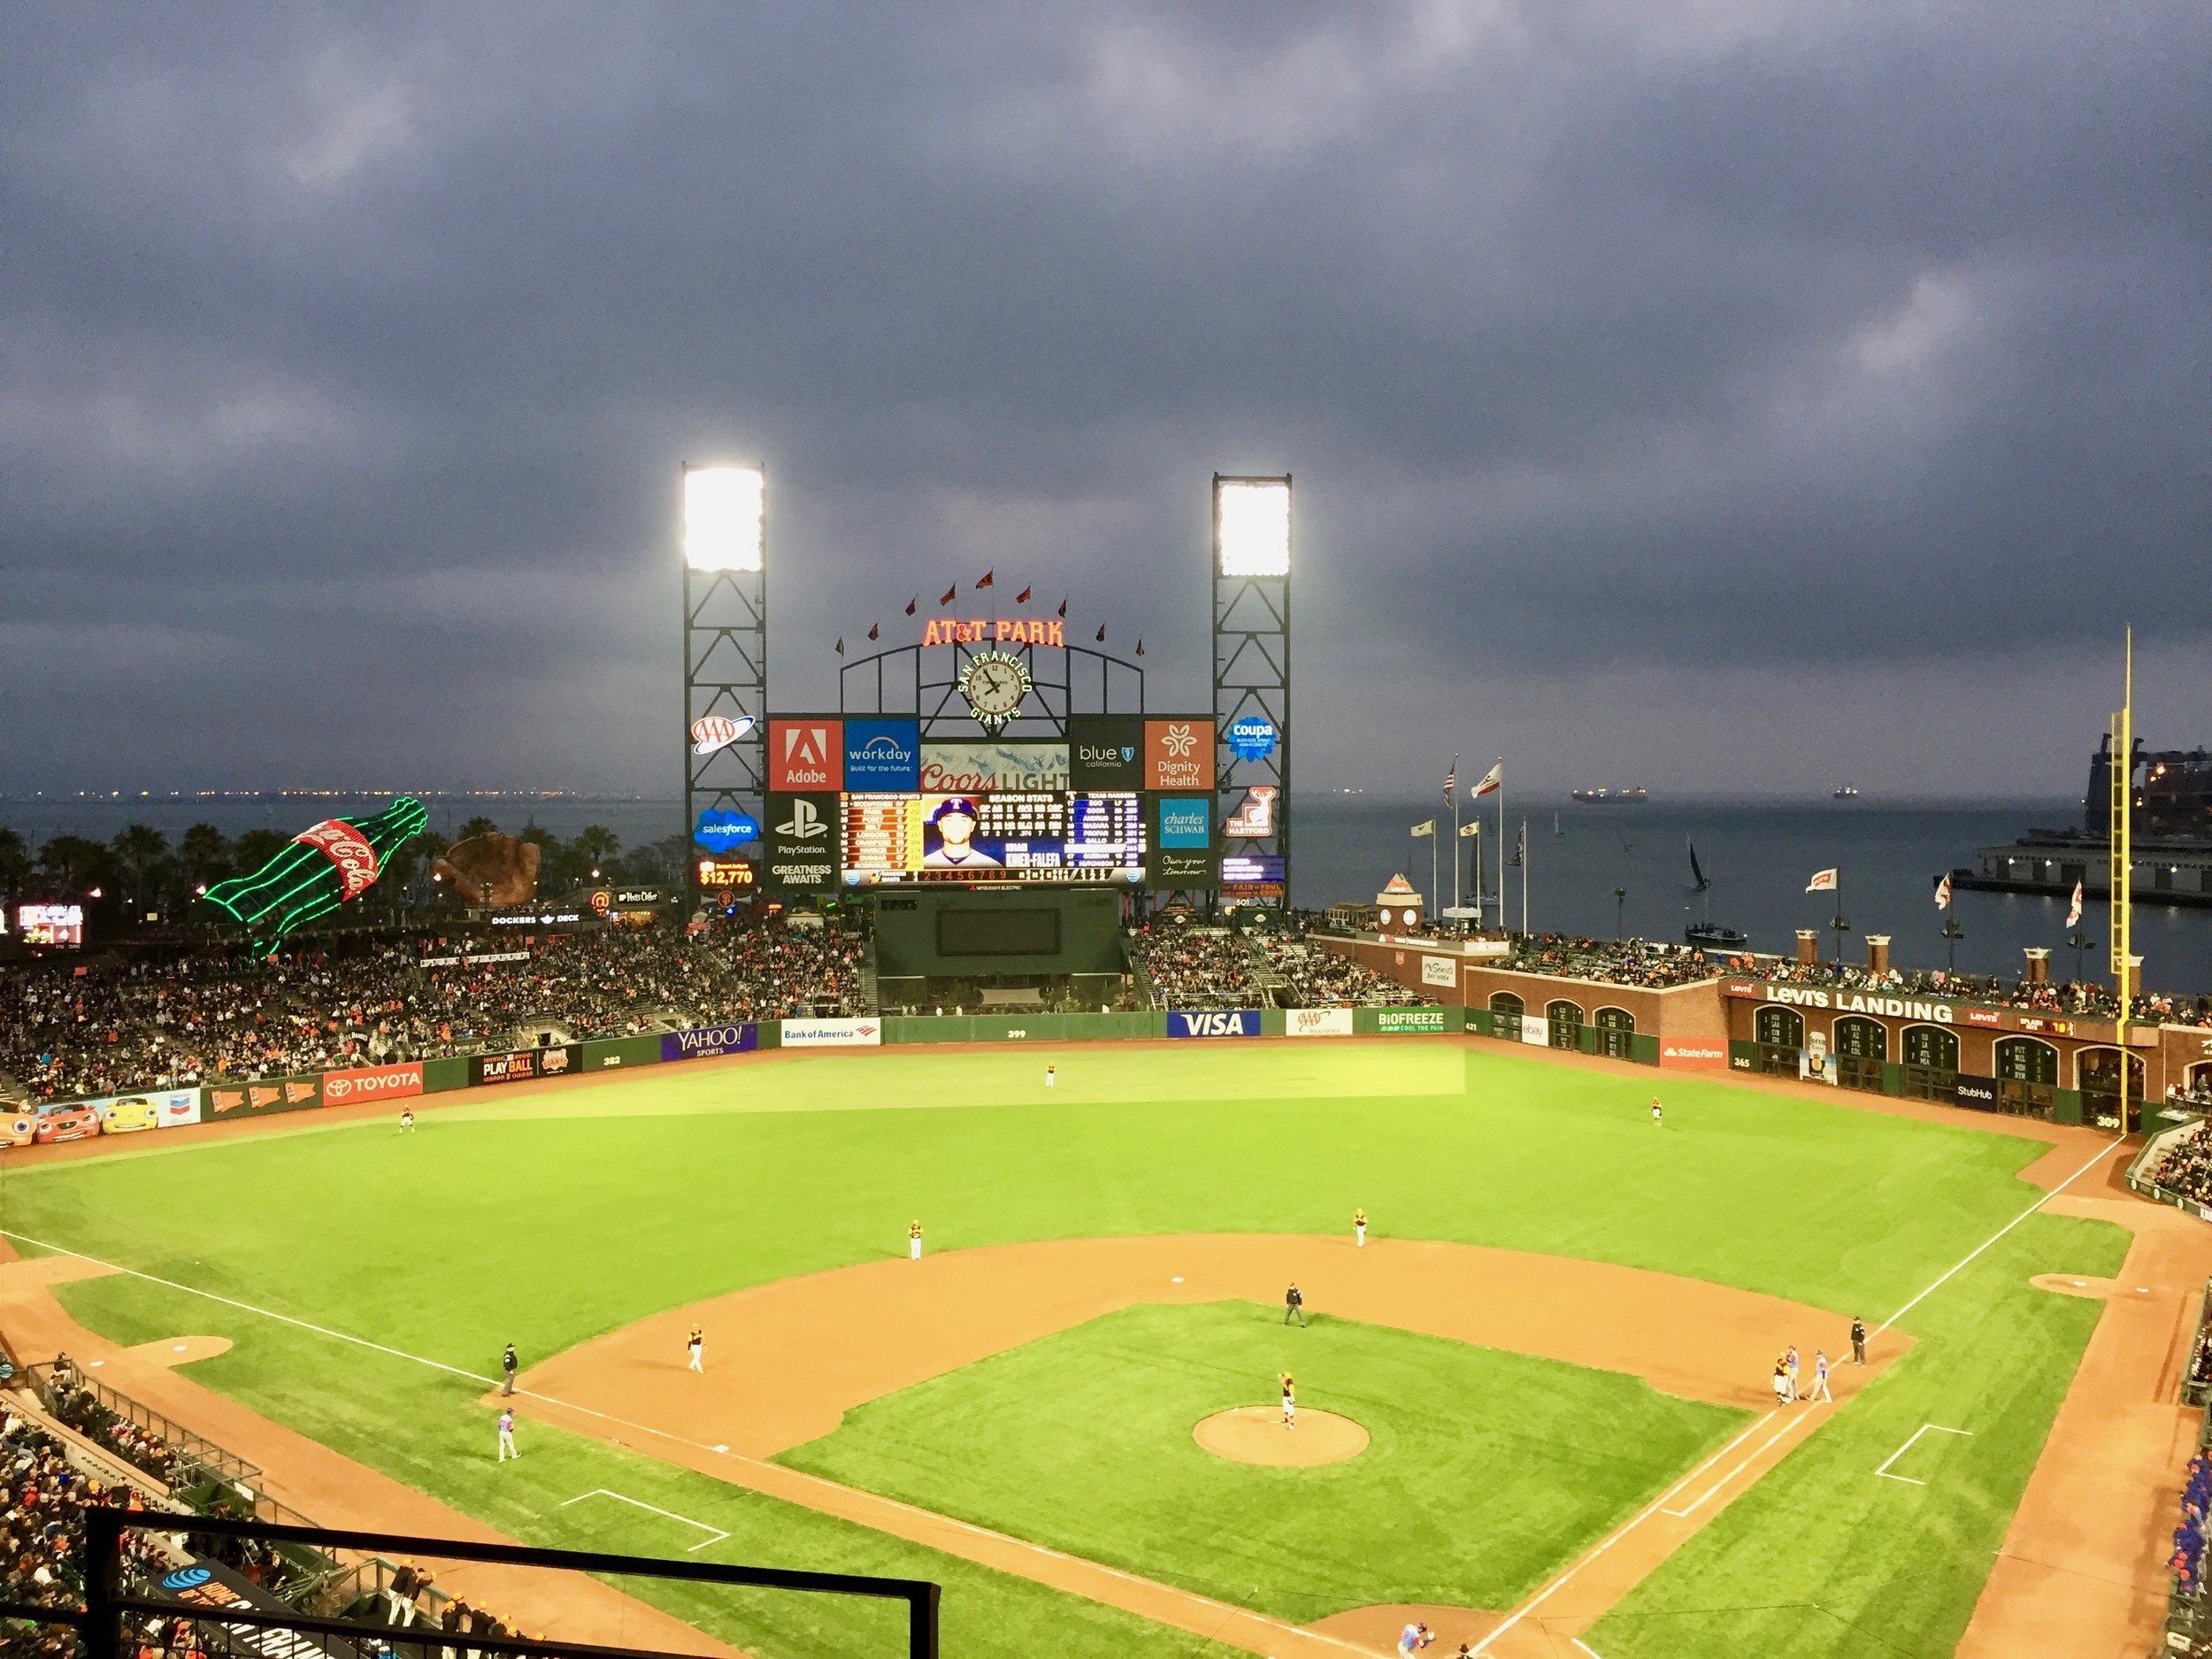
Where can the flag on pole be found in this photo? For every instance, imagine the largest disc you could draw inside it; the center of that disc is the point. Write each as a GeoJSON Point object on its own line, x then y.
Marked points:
{"type": "Point", "coordinates": [990, 579]}
{"type": "Point", "coordinates": [1101, 633]}
{"type": "Point", "coordinates": [1451, 778]}
{"type": "Point", "coordinates": [1426, 827]}
{"type": "Point", "coordinates": [875, 630]}
{"type": "Point", "coordinates": [2073, 911]}
{"type": "Point", "coordinates": [951, 594]}
{"type": "Point", "coordinates": [840, 645]}
{"type": "Point", "coordinates": [1063, 608]}
{"type": "Point", "coordinates": [1520, 846]}
{"type": "Point", "coordinates": [1491, 779]}
{"type": "Point", "coordinates": [910, 604]}
{"type": "Point", "coordinates": [1943, 890]}
{"type": "Point", "coordinates": [1022, 598]}
{"type": "Point", "coordinates": [1470, 828]}
{"type": "Point", "coordinates": [1822, 881]}
{"type": "Point", "coordinates": [1140, 646]}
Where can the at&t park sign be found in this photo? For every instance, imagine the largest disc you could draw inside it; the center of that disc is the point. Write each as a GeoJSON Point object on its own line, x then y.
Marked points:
{"type": "Point", "coordinates": [1001, 631]}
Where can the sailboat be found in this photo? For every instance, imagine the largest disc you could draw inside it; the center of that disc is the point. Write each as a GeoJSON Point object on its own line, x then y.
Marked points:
{"type": "Point", "coordinates": [1555, 827]}
{"type": "Point", "coordinates": [1707, 933]}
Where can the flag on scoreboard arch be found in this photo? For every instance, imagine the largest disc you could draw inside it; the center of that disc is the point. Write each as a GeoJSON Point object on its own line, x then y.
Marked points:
{"type": "Point", "coordinates": [1822, 881]}
{"type": "Point", "coordinates": [910, 604]}
{"type": "Point", "coordinates": [1427, 826]}
{"type": "Point", "coordinates": [1101, 633]}
{"type": "Point", "coordinates": [1943, 890]}
{"type": "Point", "coordinates": [840, 645]}
{"type": "Point", "coordinates": [875, 630]}
{"type": "Point", "coordinates": [2073, 911]}
{"type": "Point", "coordinates": [1491, 779]}
{"type": "Point", "coordinates": [1022, 598]}
{"type": "Point", "coordinates": [1063, 610]}
{"type": "Point", "coordinates": [951, 594]}
{"type": "Point", "coordinates": [990, 579]}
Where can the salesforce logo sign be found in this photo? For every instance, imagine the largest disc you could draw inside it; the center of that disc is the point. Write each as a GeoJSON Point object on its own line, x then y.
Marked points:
{"type": "Point", "coordinates": [719, 831]}
{"type": "Point", "coordinates": [186, 1578]}
{"type": "Point", "coordinates": [1252, 737]}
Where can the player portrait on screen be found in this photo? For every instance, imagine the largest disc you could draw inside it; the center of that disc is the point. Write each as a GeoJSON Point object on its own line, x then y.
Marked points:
{"type": "Point", "coordinates": [949, 837]}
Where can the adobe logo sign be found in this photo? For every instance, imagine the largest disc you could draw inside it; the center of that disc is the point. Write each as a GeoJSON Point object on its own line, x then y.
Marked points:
{"type": "Point", "coordinates": [805, 755]}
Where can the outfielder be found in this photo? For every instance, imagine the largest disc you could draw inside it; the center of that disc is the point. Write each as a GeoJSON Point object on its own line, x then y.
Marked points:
{"type": "Point", "coordinates": [914, 1243]}
{"type": "Point", "coordinates": [696, 1344]}
{"type": "Point", "coordinates": [1359, 1228]}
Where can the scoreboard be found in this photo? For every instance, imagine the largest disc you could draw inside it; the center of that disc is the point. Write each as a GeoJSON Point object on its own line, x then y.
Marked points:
{"type": "Point", "coordinates": [1091, 836]}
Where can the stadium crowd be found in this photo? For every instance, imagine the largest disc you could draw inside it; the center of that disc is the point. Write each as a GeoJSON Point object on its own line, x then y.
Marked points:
{"type": "Point", "coordinates": [45, 1495]}
{"type": "Point", "coordinates": [1612, 961]}
{"type": "Point", "coordinates": [1313, 977]}
{"type": "Point", "coordinates": [76, 1406]}
{"type": "Point", "coordinates": [2186, 1563]}
{"type": "Point", "coordinates": [112, 1029]}
{"type": "Point", "coordinates": [2185, 1167]}
{"type": "Point", "coordinates": [1190, 966]}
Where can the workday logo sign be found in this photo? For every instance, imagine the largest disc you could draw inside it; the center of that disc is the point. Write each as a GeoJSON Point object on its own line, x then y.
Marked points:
{"type": "Point", "coordinates": [883, 755]}
{"type": "Point", "coordinates": [1218, 1022]}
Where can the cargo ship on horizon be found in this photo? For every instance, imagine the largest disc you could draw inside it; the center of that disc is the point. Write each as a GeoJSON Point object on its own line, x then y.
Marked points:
{"type": "Point", "coordinates": [1635, 795]}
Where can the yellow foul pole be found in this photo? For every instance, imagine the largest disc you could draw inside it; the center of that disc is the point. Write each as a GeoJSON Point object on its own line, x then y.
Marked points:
{"type": "Point", "coordinates": [2121, 876]}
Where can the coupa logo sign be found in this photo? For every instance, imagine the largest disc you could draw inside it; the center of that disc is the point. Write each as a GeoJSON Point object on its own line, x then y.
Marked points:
{"type": "Point", "coordinates": [186, 1578]}
{"type": "Point", "coordinates": [1252, 738]}
{"type": "Point", "coordinates": [1223, 1022]}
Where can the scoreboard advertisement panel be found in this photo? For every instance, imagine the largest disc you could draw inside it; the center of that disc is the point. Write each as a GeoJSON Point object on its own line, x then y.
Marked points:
{"type": "Point", "coordinates": [1021, 836]}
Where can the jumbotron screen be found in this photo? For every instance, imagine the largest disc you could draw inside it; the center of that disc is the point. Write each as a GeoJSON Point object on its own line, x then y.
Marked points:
{"type": "Point", "coordinates": [1059, 835]}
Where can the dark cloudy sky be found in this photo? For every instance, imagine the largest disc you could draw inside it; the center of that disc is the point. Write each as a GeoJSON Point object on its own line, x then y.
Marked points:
{"type": "Point", "coordinates": [1713, 393]}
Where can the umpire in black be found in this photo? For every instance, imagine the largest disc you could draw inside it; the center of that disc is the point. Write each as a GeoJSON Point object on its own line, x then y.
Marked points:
{"type": "Point", "coordinates": [507, 1367]}
{"type": "Point", "coordinates": [1858, 1340]}
{"type": "Point", "coordinates": [1294, 1305]}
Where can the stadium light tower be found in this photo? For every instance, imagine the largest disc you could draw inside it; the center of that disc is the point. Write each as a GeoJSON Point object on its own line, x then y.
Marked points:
{"type": "Point", "coordinates": [725, 644]}
{"type": "Point", "coordinates": [1251, 665]}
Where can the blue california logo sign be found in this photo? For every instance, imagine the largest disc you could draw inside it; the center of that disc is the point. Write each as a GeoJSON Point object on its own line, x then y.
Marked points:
{"type": "Point", "coordinates": [719, 830]}
{"type": "Point", "coordinates": [1252, 737]}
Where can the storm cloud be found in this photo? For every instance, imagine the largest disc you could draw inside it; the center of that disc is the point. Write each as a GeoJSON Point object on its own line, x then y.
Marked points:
{"type": "Point", "coordinates": [1731, 394]}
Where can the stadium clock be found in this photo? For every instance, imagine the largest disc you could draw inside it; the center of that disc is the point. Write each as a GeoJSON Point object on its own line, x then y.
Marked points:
{"type": "Point", "coordinates": [993, 683]}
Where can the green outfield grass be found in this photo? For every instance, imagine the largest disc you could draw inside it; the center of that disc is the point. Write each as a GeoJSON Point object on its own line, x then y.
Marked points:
{"type": "Point", "coordinates": [551, 1219]}
{"type": "Point", "coordinates": [1485, 1473]}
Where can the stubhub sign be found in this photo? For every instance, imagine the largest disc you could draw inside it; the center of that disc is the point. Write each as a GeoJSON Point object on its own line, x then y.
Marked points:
{"type": "Point", "coordinates": [1216, 1022]}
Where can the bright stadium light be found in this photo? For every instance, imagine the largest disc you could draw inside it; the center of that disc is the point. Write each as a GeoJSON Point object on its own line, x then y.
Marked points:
{"type": "Point", "coordinates": [1252, 526]}
{"type": "Point", "coordinates": [723, 510]}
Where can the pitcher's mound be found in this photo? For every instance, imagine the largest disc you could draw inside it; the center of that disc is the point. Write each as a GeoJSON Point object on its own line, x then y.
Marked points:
{"type": "Point", "coordinates": [1256, 1435]}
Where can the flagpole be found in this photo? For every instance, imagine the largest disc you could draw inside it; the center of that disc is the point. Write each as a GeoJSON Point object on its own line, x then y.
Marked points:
{"type": "Point", "coordinates": [1434, 892]}
{"type": "Point", "coordinates": [1501, 844]}
{"type": "Point", "coordinates": [1451, 782]}
{"type": "Point", "coordinates": [1524, 852]}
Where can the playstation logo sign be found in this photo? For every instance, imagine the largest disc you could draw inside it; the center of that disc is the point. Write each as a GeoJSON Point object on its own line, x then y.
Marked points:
{"type": "Point", "coordinates": [804, 823]}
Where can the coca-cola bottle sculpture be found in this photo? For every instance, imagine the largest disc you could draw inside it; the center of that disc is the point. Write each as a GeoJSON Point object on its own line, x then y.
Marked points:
{"type": "Point", "coordinates": [319, 869]}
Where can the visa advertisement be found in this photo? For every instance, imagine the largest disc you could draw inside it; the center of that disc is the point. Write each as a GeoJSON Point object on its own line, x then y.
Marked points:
{"type": "Point", "coordinates": [1215, 1022]}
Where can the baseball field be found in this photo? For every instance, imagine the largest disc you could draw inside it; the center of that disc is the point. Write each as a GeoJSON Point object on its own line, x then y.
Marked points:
{"type": "Point", "coordinates": [1554, 1350]}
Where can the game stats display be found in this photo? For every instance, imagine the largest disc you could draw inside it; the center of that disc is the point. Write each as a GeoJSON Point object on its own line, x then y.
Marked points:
{"type": "Point", "coordinates": [1065, 836]}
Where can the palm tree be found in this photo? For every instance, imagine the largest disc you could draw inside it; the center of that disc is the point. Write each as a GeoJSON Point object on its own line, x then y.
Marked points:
{"type": "Point", "coordinates": [255, 846]}
{"type": "Point", "coordinates": [206, 854]}
{"type": "Point", "coordinates": [73, 863]}
{"type": "Point", "coordinates": [475, 826]}
{"type": "Point", "coordinates": [141, 850]}
{"type": "Point", "coordinates": [594, 847]}
{"type": "Point", "coordinates": [15, 864]}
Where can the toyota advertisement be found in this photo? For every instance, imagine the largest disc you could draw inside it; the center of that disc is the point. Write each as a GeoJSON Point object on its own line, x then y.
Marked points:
{"type": "Point", "coordinates": [372, 1082]}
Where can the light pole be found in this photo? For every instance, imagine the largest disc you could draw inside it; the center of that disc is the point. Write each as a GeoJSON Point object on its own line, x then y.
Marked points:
{"type": "Point", "coordinates": [1952, 933]}
{"type": "Point", "coordinates": [1842, 926]}
{"type": "Point", "coordinates": [1620, 901]}
{"type": "Point", "coordinates": [2080, 940]}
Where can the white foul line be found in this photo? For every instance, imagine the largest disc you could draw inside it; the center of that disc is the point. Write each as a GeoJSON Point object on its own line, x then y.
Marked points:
{"type": "Point", "coordinates": [601, 1492]}
{"type": "Point", "coordinates": [1884, 1470]}
{"type": "Point", "coordinates": [1228, 1610]}
{"type": "Point", "coordinates": [1546, 1594]}
{"type": "Point", "coordinates": [1585, 1646]}
{"type": "Point", "coordinates": [2102, 1153]}
{"type": "Point", "coordinates": [1791, 1427]}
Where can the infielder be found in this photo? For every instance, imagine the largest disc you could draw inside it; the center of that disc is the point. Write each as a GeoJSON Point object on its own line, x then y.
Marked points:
{"type": "Point", "coordinates": [1359, 1228]}
{"type": "Point", "coordinates": [914, 1243]}
{"type": "Point", "coordinates": [1820, 1376]}
{"type": "Point", "coordinates": [696, 1343]}
{"type": "Point", "coordinates": [507, 1435]}
{"type": "Point", "coordinates": [1781, 1382]}
{"type": "Point", "coordinates": [1290, 1402]}
{"type": "Point", "coordinates": [1790, 1358]}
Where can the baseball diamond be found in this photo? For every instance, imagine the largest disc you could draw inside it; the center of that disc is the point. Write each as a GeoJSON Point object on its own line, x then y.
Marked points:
{"type": "Point", "coordinates": [1532, 1400]}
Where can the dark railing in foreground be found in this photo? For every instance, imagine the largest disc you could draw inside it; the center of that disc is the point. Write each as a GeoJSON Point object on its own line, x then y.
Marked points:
{"type": "Point", "coordinates": [108, 1603]}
